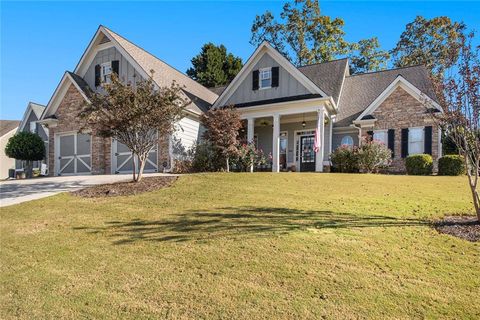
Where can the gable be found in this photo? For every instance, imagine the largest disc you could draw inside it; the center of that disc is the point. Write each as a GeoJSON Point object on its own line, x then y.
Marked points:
{"type": "Point", "coordinates": [127, 72]}
{"type": "Point", "coordinates": [288, 86]}
{"type": "Point", "coordinates": [397, 104]}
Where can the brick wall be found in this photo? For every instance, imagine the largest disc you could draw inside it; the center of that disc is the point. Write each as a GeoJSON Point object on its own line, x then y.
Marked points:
{"type": "Point", "coordinates": [401, 110]}
{"type": "Point", "coordinates": [68, 121]}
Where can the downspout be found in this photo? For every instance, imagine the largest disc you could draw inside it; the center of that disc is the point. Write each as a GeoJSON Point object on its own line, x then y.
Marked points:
{"type": "Point", "coordinates": [359, 133]}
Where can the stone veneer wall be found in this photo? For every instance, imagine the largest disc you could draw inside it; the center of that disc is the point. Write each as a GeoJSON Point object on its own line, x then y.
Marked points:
{"type": "Point", "coordinates": [400, 110]}
{"type": "Point", "coordinates": [68, 121]}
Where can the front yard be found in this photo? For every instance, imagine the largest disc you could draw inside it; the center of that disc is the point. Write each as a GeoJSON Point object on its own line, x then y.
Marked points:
{"type": "Point", "coordinates": [244, 246]}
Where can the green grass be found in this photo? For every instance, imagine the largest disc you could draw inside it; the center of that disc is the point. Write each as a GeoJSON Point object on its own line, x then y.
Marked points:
{"type": "Point", "coordinates": [244, 246]}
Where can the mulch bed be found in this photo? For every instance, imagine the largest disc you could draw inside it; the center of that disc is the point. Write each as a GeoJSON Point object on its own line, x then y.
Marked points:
{"type": "Point", "coordinates": [125, 188]}
{"type": "Point", "coordinates": [464, 227]}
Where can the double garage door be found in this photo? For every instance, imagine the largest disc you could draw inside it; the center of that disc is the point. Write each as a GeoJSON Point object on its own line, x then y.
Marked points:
{"type": "Point", "coordinates": [75, 156]}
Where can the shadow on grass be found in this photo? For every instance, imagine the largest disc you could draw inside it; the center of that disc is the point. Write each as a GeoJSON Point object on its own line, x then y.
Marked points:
{"type": "Point", "coordinates": [239, 222]}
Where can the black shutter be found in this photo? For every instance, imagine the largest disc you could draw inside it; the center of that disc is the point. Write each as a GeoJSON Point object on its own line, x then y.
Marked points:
{"type": "Point", "coordinates": [98, 81]}
{"type": "Point", "coordinates": [404, 143]}
{"type": "Point", "coordinates": [370, 135]}
{"type": "Point", "coordinates": [115, 67]}
{"type": "Point", "coordinates": [428, 140]}
{"type": "Point", "coordinates": [275, 76]}
{"type": "Point", "coordinates": [391, 141]}
{"type": "Point", "coordinates": [255, 80]}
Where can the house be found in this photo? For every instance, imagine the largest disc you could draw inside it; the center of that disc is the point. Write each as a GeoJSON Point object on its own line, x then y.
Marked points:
{"type": "Point", "coordinates": [29, 123]}
{"type": "Point", "coordinates": [285, 106]}
{"type": "Point", "coordinates": [72, 152]}
{"type": "Point", "coordinates": [285, 109]}
{"type": "Point", "coordinates": [8, 128]}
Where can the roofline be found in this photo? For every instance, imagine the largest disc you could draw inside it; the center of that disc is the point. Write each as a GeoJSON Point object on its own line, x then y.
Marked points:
{"type": "Point", "coordinates": [374, 72]}
{"type": "Point", "coordinates": [324, 62]}
{"type": "Point", "coordinates": [27, 112]}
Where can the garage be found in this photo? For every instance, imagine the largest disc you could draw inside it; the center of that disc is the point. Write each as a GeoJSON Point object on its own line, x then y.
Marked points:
{"type": "Point", "coordinates": [122, 161]}
{"type": "Point", "coordinates": [74, 154]}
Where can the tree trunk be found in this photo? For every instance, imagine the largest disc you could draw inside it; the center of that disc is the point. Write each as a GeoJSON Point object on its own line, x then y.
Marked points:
{"type": "Point", "coordinates": [28, 169]}
{"type": "Point", "coordinates": [134, 167]}
{"type": "Point", "coordinates": [141, 166]}
{"type": "Point", "coordinates": [228, 165]}
{"type": "Point", "coordinates": [472, 174]}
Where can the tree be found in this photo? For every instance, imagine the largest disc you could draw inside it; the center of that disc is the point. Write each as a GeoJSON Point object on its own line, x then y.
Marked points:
{"type": "Point", "coordinates": [435, 43]}
{"type": "Point", "coordinates": [461, 103]}
{"type": "Point", "coordinates": [136, 115]}
{"type": "Point", "coordinates": [26, 146]}
{"type": "Point", "coordinates": [222, 126]}
{"type": "Point", "coordinates": [302, 35]}
{"type": "Point", "coordinates": [367, 56]}
{"type": "Point", "coordinates": [213, 66]}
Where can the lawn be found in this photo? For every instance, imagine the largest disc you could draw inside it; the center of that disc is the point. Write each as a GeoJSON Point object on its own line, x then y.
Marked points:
{"type": "Point", "coordinates": [244, 246]}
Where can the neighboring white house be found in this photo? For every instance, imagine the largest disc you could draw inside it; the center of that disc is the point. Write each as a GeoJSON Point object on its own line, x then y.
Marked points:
{"type": "Point", "coordinates": [7, 129]}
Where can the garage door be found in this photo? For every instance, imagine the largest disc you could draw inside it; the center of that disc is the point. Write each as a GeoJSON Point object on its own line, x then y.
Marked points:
{"type": "Point", "coordinates": [74, 154]}
{"type": "Point", "coordinates": [122, 159]}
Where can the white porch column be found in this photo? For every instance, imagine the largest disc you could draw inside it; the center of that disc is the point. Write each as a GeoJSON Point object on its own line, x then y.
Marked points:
{"type": "Point", "coordinates": [321, 132]}
{"type": "Point", "coordinates": [250, 133]}
{"type": "Point", "coordinates": [276, 143]}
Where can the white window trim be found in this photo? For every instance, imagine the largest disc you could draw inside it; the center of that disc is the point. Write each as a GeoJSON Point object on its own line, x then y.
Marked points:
{"type": "Point", "coordinates": [410, 140]}
{"type": "Point", "coordinates": [385, 140]}
{"type": "Point", "coordinates": [260, 71]}
{"type": "Point", "coordinates": [102, 74]}
{"type": "Point", "coordinates": [345, 136]}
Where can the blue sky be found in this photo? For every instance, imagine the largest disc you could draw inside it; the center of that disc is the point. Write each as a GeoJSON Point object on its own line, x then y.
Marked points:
{"type": "Point", "coordinates": [40, 40]}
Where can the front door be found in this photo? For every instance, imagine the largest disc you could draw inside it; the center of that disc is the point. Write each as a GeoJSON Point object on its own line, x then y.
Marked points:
{"type": "Point", "coordinates": [307, 153]}
{"type": "Point", "coordinates": [74, 154]}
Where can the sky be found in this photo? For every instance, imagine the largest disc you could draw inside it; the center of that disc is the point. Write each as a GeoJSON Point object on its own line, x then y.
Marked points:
{"type": "Point", "coordinates": [39, 41]}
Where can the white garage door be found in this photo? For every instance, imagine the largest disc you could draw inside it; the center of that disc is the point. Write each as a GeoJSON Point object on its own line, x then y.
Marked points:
{"type": "Point", "coordinates": [74, 154]}
{"type": "Point", "coordinates": [122, 161]}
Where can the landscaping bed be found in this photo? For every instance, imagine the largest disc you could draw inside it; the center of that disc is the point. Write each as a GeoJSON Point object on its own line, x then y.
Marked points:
{"type": "Point", "coordinates": [126, 188]}
{"type": "Point", "coordinates": [464, 227]}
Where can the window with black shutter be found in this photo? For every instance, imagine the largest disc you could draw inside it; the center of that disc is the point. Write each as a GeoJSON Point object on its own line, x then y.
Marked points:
{"type": "Point", "coordinates": [115, 67]}
{"type": "Point", "coordinates": [391, 141]}
{"type": "Point", "coordinates": [428, 140]}
{"type": "Point", "coordinates": [405, 143]}
{"type": "Point", "coordinates": [98, 80]}
{"type": "Point", "coordinates": [275, 76]}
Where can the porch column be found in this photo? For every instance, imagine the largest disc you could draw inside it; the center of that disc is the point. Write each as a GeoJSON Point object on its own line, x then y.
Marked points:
{"type": "Point", "coordinates": [321, 132]}
{"type": "Point", "coordinates": [275, 143]}
{"type": "Point", "coordinates": [250, 133]}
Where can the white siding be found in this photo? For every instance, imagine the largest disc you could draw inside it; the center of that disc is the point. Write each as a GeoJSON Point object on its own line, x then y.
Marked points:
{"type": "Point", "coordinates": [186, 136]}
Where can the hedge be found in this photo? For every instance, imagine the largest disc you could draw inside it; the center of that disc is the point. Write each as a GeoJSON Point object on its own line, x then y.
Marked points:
{"type": "Point", "coordinates": [419, 164]}
{"type": "Point", "coordinates": [451, 165]}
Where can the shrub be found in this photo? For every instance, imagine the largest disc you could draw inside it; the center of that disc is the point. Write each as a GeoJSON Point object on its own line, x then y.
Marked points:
{"type": "Point", "coordinates": [419, 164]}
{"type": "Point", "coordinates": [248, 155]}
{"type": "Point", "coordinates": [451, 165]}
{"type": "Point", "coordinates": [205, 158]}
{"type": "Point", "coordinates": [345, 159]}
{"type": "Point", "coordinates": [373, 156]}
{"type": "Point", "coordinates": [26, 146]}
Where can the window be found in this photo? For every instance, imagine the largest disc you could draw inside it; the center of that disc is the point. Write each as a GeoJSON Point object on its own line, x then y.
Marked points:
{"type": "Point", "coordinates": [265, 78]}
{"type": "Point", "coordinates": [33, 127]}
{"type": "Point", "coordinates": [106, 71]}
{"type": "Point", "coordinates": [347, 140]}
{"type": "Point", "coordinates": [381, 136]}
{"type": "Point", "coordinates": [415, 140]}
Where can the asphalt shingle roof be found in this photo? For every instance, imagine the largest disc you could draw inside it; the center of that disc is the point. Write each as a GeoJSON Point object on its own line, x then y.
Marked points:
{"type": "Point", "coordinates": [165, 74]}
{"type": "Point", "coordinates": [359, 91]}
{"type": "Point", "coordinates": [8, 125]}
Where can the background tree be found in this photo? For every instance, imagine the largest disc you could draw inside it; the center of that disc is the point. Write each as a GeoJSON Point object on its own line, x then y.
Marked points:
{"type": "Point", "coordinates": [461, 103]}
{"type": "Point", "coordinates": [214, 66]}
{"type": "Point", "coordinates": [302, 34]}
{"type": "Point", "coordinates": [135, 115]}
{"type": "Point", "coordinates": [366, 56]}
{"type": "Point", "coordinates": [222, 130]}
{"type": "Point", "coordinates": [435, 43]}
{"type": "Point", "coordinates": [28, 147]}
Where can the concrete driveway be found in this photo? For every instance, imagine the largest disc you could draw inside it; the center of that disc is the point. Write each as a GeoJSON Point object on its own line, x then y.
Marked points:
{"type": "Point", "coordinates": [18, 191]}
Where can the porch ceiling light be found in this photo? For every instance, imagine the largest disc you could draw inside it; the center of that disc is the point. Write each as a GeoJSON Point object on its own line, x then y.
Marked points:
{"type": "Point", "coordinates": [303, 122]}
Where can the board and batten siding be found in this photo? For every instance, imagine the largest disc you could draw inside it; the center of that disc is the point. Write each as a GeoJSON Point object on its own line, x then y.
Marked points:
{"type": "Point", "coordinates": [126, 70]}
{"type": "Point", "coordinates": [287, 86]}
{"type": "Point", "coordinates": [186, 135]}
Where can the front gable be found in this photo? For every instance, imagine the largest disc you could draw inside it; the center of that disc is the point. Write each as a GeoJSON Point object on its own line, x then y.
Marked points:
{"type": "Point", "coordinates": [288, 85]}
{"type": "Point", "coordinates": [291, 82]}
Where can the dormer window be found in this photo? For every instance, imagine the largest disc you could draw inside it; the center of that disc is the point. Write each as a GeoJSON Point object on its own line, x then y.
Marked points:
{"type": "Point", "coordinates": [265, 78]}
{"type": "Point", "coordinates": [106, 71]}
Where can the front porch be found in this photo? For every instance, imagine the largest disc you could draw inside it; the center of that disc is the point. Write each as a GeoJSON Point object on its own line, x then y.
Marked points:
{"type": "Point", "coordinates": [287, 135]}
